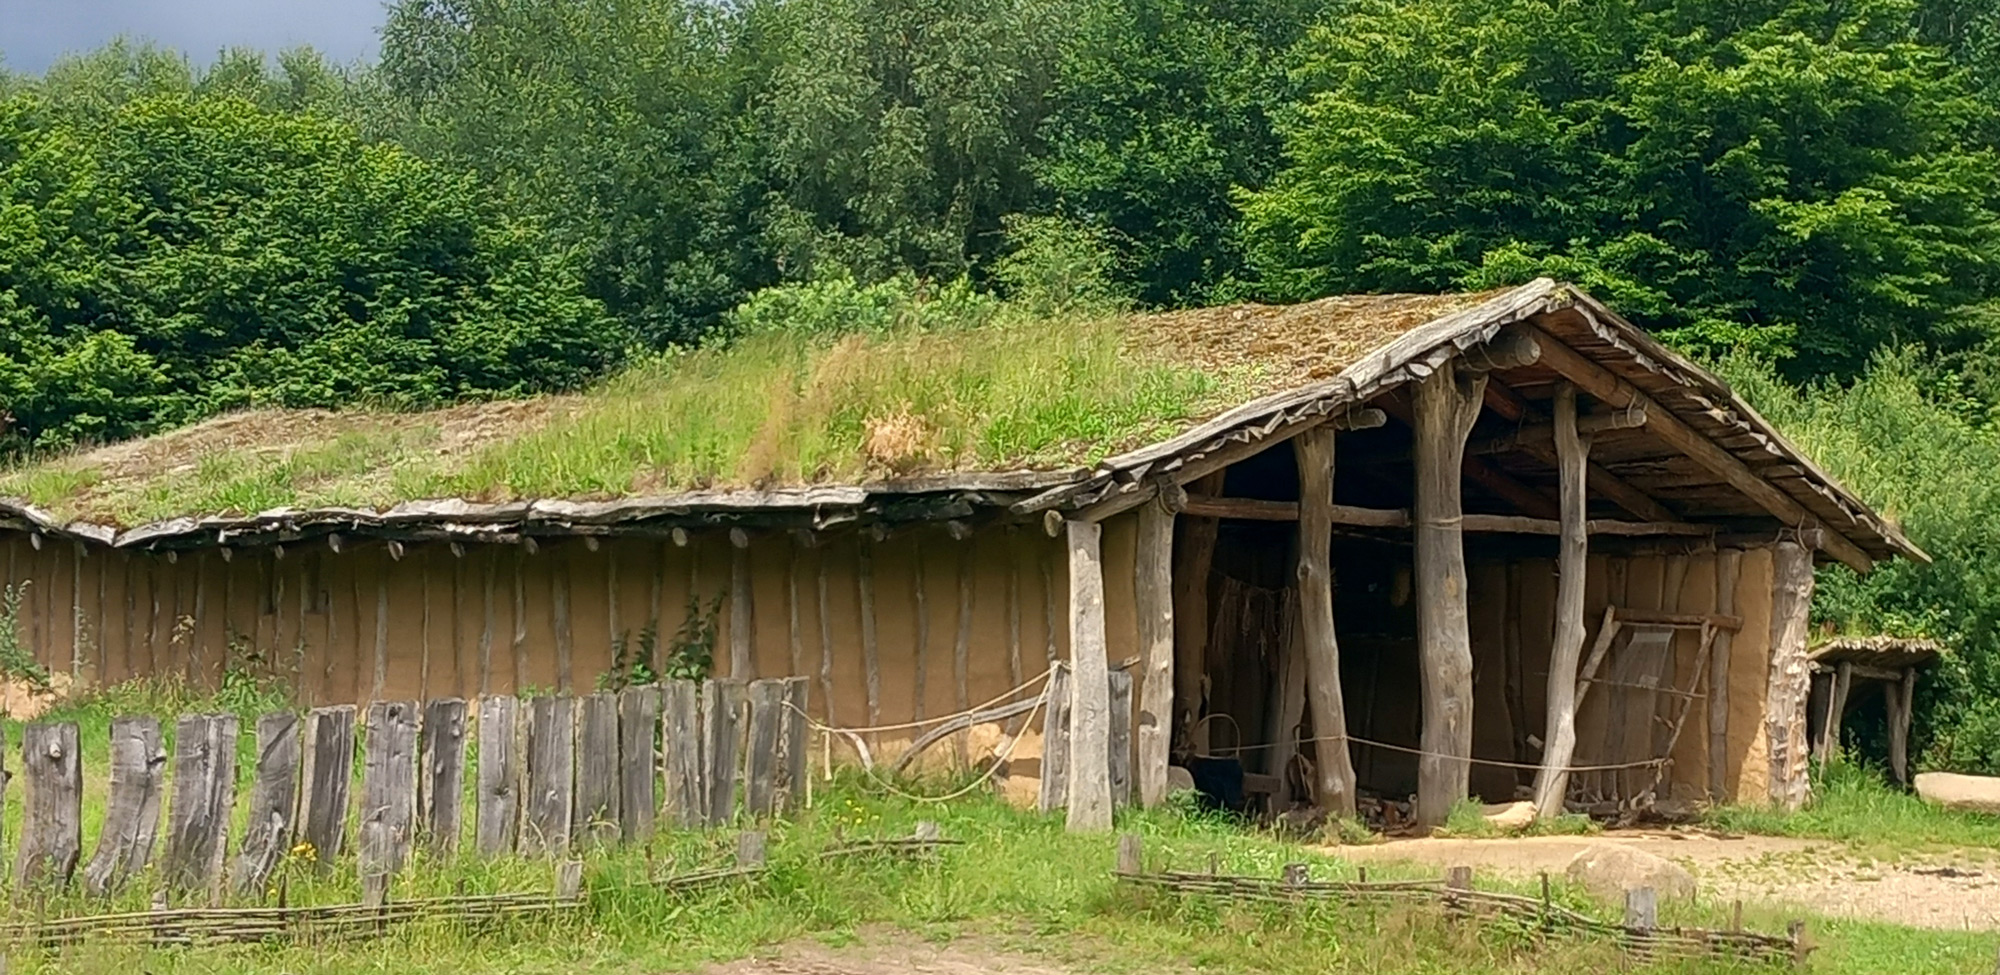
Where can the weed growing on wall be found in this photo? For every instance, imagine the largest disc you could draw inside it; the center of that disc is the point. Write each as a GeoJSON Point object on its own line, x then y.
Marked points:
{"type": "Point", "coordinates": [17, 659]}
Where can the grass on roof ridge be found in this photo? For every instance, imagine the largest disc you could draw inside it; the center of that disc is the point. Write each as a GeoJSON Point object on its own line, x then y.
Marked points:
{"type": "Point", "coordinates": [775, 407]}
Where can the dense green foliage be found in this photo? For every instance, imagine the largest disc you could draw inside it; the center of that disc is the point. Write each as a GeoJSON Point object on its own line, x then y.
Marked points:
{"type": "Point", "coordinates": [170, 252]}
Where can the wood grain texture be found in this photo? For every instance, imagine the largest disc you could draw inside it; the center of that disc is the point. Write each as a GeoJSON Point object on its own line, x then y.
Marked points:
{"type": "Point", "coordinates": [761, 757]}
{"type": "Point", "coordinates": [132, 810]}
{"type": "Point", "coordinates": [52, 820]}
{"type": "Point", "coordinates": [499, 797]}
{"type": "Point", "coordinates": [441, 775]}
{"type": "Point", "coordinates": [722, 717]}
{"type": "Point", "coordinates": [1333, 764]}
{"type": "Point", "coordinates": [1154, 595]}
{"type": "Point", "coordinates": [547, 808]}
{"type": "Point", "coordinates": [1791, 675]}
{"type": "Point", "coordinates": [274, 803]}
{"type": "Point", "coordinates": [1566, 650]}
{"type": "Point", "coordinates": [388, 813]}
{"type": "Point", "coordinates": [204, 784]}
{"type": "Point", "coordinates": [328, 777]}
{"type": "Point", "coordinates": [1445, 405]}
{"type": "Point", "coordinates": [1118, 756]}
{"type": "Point", "coordinates": [742, 615]}
{"type": "Point", "coordinates": [1728, 569]}
{"type": "Point", "coordinates": [638, 762]}
{"type": "Point", "coordinates": [797, 744]}
{"type": "Point", "coordinates": [1090, 706]}
{"type": "Point", "coordinates": [681, 754]}
{"type": "Point", "coordinates": [599, 785]}
{"type": "Point", "coordinates": [1055, 741]}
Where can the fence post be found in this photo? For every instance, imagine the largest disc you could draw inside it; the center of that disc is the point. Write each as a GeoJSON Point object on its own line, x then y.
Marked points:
{"type": "Point", "coordinates": [569, 880]}
{"type": "Point", "coordinates": [750, 848]}
{"type": "Point", "coordinates": [1131, 855]}
{"type": "Point", "coordinates": [1457, 880]}
{"type": "Point", "coordinates": [1801, 943]}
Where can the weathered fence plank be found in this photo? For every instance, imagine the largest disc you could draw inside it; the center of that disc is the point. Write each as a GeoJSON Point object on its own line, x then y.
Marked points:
{"type": "Point", "coordinates": [499, 808]}
{"type": "Point", "coordinates": [797, 744]}
{"type": "Point", "coordinates": [722, 707]}
{"type": "Point", "coordinates": [274, 802]}
{"type": "Point", "coordinates": [638, 763]}
{"type": "Point", "coordinates": [1121, 737]}
{"type": "Point", "coordinates": [328, 778]}
{"type": "Point", "coordinates": [1055, 740]}
{"type": "Point", "coordinates": [767, 706]}
{"type": "Point", "coordinates": [441, 775]}
{"type": "Point", "coordinates": [204, 779]}
{"type": "Point", "coordinates": [598, 785]}
{"type": "Point", "coordinates": [52, 830]}
{"type": "Point", "coordinates": [546, 806]}
{"type": "Point", "coordinates": [132, 812]}
{"type": "Point", "coordinates": [681, 754]}
{"type": "Point", "coordinates": [388, 787]}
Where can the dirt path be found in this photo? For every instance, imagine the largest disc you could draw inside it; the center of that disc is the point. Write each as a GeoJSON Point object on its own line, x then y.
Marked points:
{"type": "Point", "coordinates": [890, 956]}
{"type": "Point", "coordinates": [1954, 892]}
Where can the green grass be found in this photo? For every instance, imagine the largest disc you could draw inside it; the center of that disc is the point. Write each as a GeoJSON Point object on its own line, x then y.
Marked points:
{"type": "Point", "coordinates": [1855, 805]}
{"type": "Point", "coordinates": [775, 407]}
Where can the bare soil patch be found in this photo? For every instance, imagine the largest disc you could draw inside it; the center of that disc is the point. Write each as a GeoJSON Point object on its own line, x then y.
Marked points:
{"type": "Point", "coordinates": [891, 955]}
{"type": "Point", "coordinates": [1954, 891]}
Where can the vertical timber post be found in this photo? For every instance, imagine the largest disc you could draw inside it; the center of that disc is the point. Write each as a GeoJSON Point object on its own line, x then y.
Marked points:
{"type": "Point", "coordinates": [1791, 674]}
{"type": "Point", "coordinates": [1446, 405]}
{"type": "Point", "coordinates": [1728, 566]}
{"type": "Point", "coordinates": [1090, 690]}
{"type": "Point", "coordinates": [1566, 651]}
{"type": "Point", "coordinates": [1155, 597]}
{"type": "Point", "coordinates": [1193, 555]}
{"type": "Point", "coordinates": [1335, 767]}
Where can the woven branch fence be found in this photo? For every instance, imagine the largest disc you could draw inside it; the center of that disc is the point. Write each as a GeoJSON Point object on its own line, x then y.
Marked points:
{"type": "Point", "coordinates": [1640, 934]}
{"type": "Point", "coordinates": [550, 772]}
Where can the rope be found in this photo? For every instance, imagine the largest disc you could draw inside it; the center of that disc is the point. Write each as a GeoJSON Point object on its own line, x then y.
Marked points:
{"type": "Point", "coordinates": [1492, 762]}
{"type": "Point", "coordinates": [868, 765]}
{"type": "Point", "coordinates": [940, 719]}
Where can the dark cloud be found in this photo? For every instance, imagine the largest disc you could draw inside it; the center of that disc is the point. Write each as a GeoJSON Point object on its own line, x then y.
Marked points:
{"type": "Point", "coordinates": [34, 33]}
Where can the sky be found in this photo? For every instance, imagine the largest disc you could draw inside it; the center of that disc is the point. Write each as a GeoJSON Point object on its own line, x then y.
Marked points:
{"type": "Point", "coordinates": [34, 33]}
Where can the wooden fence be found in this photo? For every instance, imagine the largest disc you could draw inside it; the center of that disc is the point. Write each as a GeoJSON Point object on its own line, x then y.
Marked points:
{"type": "Point", "coordinates": [1640, 933]}
{"type": "Point", "coordinates": [550, 772]}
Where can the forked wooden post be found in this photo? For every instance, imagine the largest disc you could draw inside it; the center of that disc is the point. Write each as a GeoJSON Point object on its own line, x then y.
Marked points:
{"type": "Point", "coordinates": [1447, 403]}
{"type": "Point", "coordinates": [1565, 653]}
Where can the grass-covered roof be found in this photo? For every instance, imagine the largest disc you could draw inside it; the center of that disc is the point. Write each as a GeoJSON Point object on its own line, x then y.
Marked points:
{"type": "Point", "coordinates": [901, 391]}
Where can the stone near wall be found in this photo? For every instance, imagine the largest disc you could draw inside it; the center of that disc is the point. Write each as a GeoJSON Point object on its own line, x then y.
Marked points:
{"type": "Point", "coordinates": [1510, 817]}
{"type": "Point", "coordinates": [1966, 793]}
{"type": "Point", "coordinates": [1608, 870]}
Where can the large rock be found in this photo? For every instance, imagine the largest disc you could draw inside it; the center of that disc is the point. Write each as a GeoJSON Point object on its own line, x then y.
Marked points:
{"type": "Point", "coordinates": [1608, 870]}
{"type": "Point", "coordinates": [1968, 793]}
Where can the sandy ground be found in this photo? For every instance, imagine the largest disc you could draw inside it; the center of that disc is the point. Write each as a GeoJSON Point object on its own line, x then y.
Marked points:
{"type": "Point", "coordinates": [890, 955]}
{"type": "Point", "coordinates": [1956, 892]}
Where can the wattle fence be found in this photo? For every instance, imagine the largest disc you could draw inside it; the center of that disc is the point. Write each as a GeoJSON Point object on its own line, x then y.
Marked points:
{"type": "Point", "coordinates": [549, 773]}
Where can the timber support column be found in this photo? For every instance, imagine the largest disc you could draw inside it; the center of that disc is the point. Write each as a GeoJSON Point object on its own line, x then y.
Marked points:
{"type": "Point", "coordinates": [1447, 402]}
{"type": "Point", "coordinates": [1335, 767]}
{"type": "Point", "coordinates": [1154, 594]}
{"type": "Point", "coordinates": [1090, 685]}
{"type": "Point", "coordinates": [1193, 556]}
{"type": "Point", "coordinates": [1791, 674]}
{"type": "Point", "coordinates": [1566, 651]}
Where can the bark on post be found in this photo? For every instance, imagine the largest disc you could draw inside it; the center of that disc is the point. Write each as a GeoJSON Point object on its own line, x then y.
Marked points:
{"type": "Point", "coordinates": [1565, 653]}
{"type": "Point", "coordinates": [1090, 700]}
{"type": "Point", "coordinates": [1447, 403]}
{"type": "Point", "coordinates": [1791, 674]}
{"type": "Point", "coordinates": [1334, 767]}
{"type": "Point", "coordinates": [1156, 645]}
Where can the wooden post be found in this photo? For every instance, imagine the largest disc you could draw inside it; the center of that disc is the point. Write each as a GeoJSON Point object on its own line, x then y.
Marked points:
{"type": "Point", "coordinates": [204, 783]}
{"type": "Point", "coordinates": [686, 801]}
{"type": "Point", "coordinates": [499, 811]}
{"type": "Point", "coordinates": [1446, 406]}
{"type": "Point", "coordinates": [722, 706]}
{"type": "Point", "coordinates": [1903, 695]}
{"type": "Point", "coordinates": [547, 810]}
{"type": "Point", "coordinates": [1728, 567]}
{"type": "Point", "coordinates": [767, 707]}
{"type": "Point", "coordinates": [1090, 707]}
{"type": "Point", "coordinates": [1836, 708]}
{"type": "Point", "coordinates": [1566, 651]}
{"type": "Point", "coordinates": [1193, 554]}
{"type": "Point", "coordinates": [328, 777]}
{"type": "Point", "coordinates": [1334, 767]}
{"type": "Point", "coordinates": [388, 787]}
{"type": "Point", "coordinates": [638, 761]}
{"type": "Point", "coordinates": [441, 774]}
{"type": "Point", "coordinates": [794, 731]}
{"type": "Point", "coordinates": [742, 616]}
{"type": "Point", "coordinates": [52, 823]}
{"type": "Point", "coordinates": [1154, 594]}
{"type": "Point", "coordinates": [599, 784]}
{"type": "Point", "coordinates": [1131, 855]}
{"type": "Point", "coordinates": [870, 650]}
{"type": "Point", "coordinates": [1791, 675]}
{"type": "Point", "coordinates": [132, 814]}
{"type": "Point", "coordinates": [1118, 756]}
{"type": "Point", "coordinates": [1642, 912]}
{"type": "Point", "coordinates": [1055, 740]}
{"type": "Point", "coordinates": [274, 802]}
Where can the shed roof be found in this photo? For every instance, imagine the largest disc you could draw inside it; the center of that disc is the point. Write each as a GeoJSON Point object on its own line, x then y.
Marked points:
{"type": "Point", "coordinates": [1885, 652]}
{"type": "Point", "coordinates": [1309, 360]}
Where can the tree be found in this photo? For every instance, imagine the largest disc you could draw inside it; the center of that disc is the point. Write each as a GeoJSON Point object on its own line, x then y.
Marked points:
{"type": "Point", "coordinates": [1794, 176]}
{"type": "Point", "coordinates": [167, 256]}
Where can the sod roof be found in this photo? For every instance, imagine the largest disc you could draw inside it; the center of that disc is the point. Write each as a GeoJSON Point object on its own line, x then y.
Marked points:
{"type": "Point", "coordinates": [1028, 414]}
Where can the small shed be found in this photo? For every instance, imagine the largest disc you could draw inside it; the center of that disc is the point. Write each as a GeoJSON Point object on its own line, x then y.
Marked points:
{"type": "Point", "coordinates": [1890, 661]}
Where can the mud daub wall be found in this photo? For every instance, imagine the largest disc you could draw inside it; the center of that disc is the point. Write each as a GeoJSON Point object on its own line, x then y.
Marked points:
{"type": "Point", "coordinates": [954, 621]}
{"type": "Point", "coordinates": [1511, 653]}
